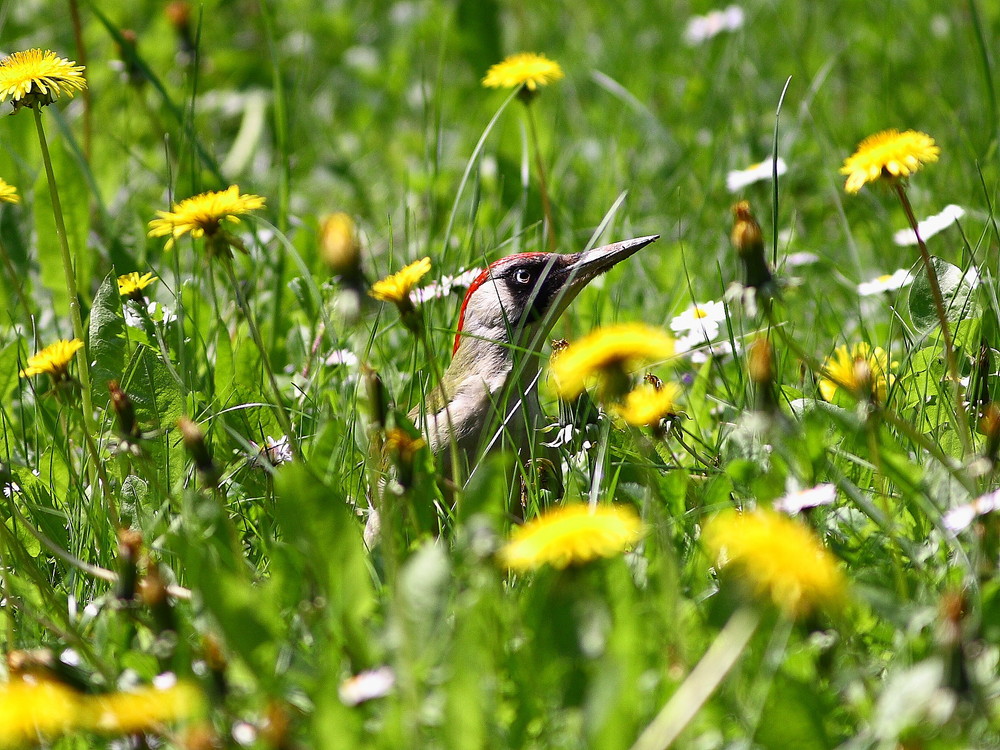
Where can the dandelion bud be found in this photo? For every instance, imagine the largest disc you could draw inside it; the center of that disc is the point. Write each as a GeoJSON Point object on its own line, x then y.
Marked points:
{"type": "Point", "coordinates": [179, 15]}
{"type": "Point", "coordinates": [760, 367]}
{"type": "Point", "coordinates": [200, 736]}
{"type": "Point", "coordinates": [403, 449]}
{"type": "Point", "coordinates": [129, 550]}
{"type": "Point", "coordinates": [862, 378]}
{"type": "Point", "coordinates": [124, 411]}
{"type": "Point", "coordinates": [953, 610]}
{"type": "Point", "coordinates": [277, 726]}
{"type": "Point", "coordinates": [339, 246]}
{"type": "Point", "coordinates": [216, 661]}
{"type": "Point", "coordinates": [378, 396]}
{"type": "Point", "coordinates": [153, 592]}
{"type": "Point", "coordinates": [38, 662]}
{"type": "Point", "coordinates": [194, 441]}
{"type": "Point", "coordinates": [130, 70]}
{"type": "Point", "coordinates": [749, 243]}
{"type": "Point", "coordinates": [989, 426]}
{"type": "Point", "coordinates": [43, 665]}
{"type": "Point", "coordinates": [979, 389]}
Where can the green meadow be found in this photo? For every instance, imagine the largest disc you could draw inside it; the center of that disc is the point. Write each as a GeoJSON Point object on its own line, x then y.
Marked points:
{"type": "Point", "coordinates": [219, 525]}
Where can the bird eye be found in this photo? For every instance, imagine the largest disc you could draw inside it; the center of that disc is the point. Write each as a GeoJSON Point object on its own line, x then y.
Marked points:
{"type": "Point", "coordinates": [522, 276]}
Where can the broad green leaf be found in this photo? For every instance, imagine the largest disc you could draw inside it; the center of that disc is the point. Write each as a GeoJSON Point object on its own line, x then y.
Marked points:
{"type": "Point", "coordinates": [40, 509]}
{"type": "Point", "coordinates": [225, 368]}
{"type": "Point", "coordinates": [245, 613]}
{"type": "Point", "coordinates": [792, 718]}
{"type": "Point", "coordinates": [957, 293]}
{"type": "Point", "coordinates": [23, 540]}
{"type": "Point", "coordinates": [424, 585]}
{"type": "Point", "coordinates": [316, 520]}
{"type": "Point", "coordinates": [154, 391]}
{"type": "Point", "coordinates": [107, 338]}
{"type": "Point", "coordinates": [9, 368]}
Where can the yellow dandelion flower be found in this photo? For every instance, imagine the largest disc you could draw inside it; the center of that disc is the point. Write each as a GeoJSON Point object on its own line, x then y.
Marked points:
{"type": "Point", "coordinates": [53, 359]}
{"type": "Point", "coordinates": [572, 535]}
{"type": "Point", "coordinates": [399, 443]}
{"type": "Point", "coordinates": [8, 193]}
{"type": "Point", "coordinates": [203, 216]}
{"type": "Point", "coordinates": [608, 352]}
{"type": "Point", "coordinates": [397, 287]}
{"type": "Point", "coordinates": [132, 284]}
{"type": "Point", "coordinates": [143, 709]}
{"type": "Point", "coordinates": [646, 405]}
{"type": "Point", "coordinates": [29, 710]}
{"type": "Point", "coordinates": [526, 69]}
{"type": "Point", "coordinates": [861, 370]}
{"type": "Point", "coordinates": [338, 244]}
{"type": "Point", "coordinates": [38, 77]}
{"type": "Point", "coordinates": [781, 560]}
{"type": "Point", "coordinates": [888, 155]}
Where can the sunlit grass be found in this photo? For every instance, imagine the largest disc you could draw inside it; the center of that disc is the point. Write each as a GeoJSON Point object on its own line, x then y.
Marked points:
{"type": "Point", "coordinates": [230, 492]}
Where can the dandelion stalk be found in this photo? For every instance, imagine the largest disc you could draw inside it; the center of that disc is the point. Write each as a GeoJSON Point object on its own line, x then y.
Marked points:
{"type": "Point", "coordinates": [70, 275]}
{"type": "Point", "coordinates": [939, 308]}
{"type": "Point", "coordinates": [543, 186]}
{"type": "Point", "coordinates": [704, 679]}
{"type": "Point", "coordinates": [526, 73]}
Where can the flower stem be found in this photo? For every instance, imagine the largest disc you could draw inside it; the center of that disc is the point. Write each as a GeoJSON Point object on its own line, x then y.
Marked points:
{"type": "Point", "coordinates": [688, 699]}
{"type": "Point", "coordinates": [279, 405]}
{"type": "Point", "coordinates": [949, 350]}
{"type": "Point", "coordinates": [543, 186]}
{"type": "Point", "coordinates": [70, 274]}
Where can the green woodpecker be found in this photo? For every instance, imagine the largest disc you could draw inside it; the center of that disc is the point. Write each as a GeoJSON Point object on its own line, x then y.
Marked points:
{"type": "Point", "coordinates": [487, 398]}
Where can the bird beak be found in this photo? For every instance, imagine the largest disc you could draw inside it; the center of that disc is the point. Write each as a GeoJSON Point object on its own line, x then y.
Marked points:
{"type": "Point", "coordinates": [591, 263]}
{"type": "Point", "coordinates": [581, 268]}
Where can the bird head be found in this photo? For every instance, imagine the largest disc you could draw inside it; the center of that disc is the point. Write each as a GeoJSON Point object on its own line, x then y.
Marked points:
{"type": "Point", "coordinates": [518, 298]}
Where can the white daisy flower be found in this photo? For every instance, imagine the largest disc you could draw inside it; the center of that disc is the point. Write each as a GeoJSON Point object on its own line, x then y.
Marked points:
{"type": "Point", "coordinates": [740, 178]}
{"type": "Point", "coordinates": [445, 286]}
{"type": "Point", "coordinates": [244, 733]}
{"type": "Point", "coordinates": [375, 683]}
{"type": "Point", "coordinates": [887, 282]}
{"type": "Point", "coordinates": [154, 311]}
{"type": "Point", "coordinates": [960, 518]}
{"type": "Point", "coordinates": [703, 318]}
{"type": "Point", "coordinates": [698, 350]}
{"type": "Point", "coordinates": [930, 226]}
{"type": "Point", "coordinates": [343, 357]}
{"type": "Point", "coordinates": [798, 500]}
{"type": "Point", "coordinates": [702, 28]}
{"type": "Point", "coordinates": [800, 259]}
{"type": "Point", "coordinates": [272, 453]}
